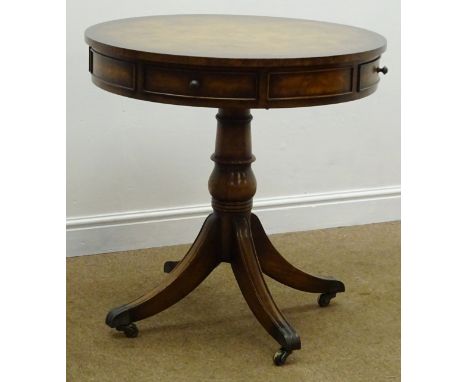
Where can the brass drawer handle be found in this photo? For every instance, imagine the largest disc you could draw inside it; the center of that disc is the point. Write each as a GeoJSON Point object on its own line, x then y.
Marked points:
{"type": "Point", "coordinates": [194, 84]}
{"type": "Point", "coordinates": [383, 70]}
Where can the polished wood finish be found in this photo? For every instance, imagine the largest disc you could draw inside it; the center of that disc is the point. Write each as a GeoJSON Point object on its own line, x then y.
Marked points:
{"type": "Point", "coordinates": [369, 75]}
{"type": "Point", "coordinates": [310, 84]}
{"type": "Point", "coordinates": [233, 63]}
{"type": "Point", "coordinates": [200, 84]}
{"type": "Point", "coordinates": [231, 234]}
{"type": "Point", "coordinates": [188, 274]}
{"type": "Point", "coordinates": [248, 272]}
{"type": "Point", "coordinates": [278, 268]}
{"type": "Point", "coordinates": [234, 40]}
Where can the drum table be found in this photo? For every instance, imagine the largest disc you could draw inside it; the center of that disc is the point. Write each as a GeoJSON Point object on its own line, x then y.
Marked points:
{"type": "Point", "coordinates": [233, 63]}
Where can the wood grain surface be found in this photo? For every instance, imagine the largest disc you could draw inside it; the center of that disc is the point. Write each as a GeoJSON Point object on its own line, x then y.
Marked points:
{"type": "Point", "coordinates": [234, 37]}
{"type": "Point", "coordinates": [234, 61]}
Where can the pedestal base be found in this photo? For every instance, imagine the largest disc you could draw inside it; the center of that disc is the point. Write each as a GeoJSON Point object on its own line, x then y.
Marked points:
{"type": "Point", "coordinates": [252, 254]}
{"type": "Point", "coordinates": [231, 234]}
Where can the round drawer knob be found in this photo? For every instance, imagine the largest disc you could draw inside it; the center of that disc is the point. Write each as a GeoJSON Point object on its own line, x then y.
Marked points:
{"type": "Point", "coordinates": [383, 70]}
{"type": "Point", "coordinates": [194, 84]}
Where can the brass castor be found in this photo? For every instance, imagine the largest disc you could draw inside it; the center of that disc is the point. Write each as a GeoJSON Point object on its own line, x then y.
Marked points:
{"type": "Point", "coordinates": [130, 330]}
{"type": "Point", "coordinates": [325, 298]}
{"type": "Point", "coordinates": [280, 356]}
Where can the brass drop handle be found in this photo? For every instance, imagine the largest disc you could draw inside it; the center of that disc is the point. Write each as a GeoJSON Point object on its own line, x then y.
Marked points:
{"type": "Point", "coordinates": [383, 70]}
{"type": "Point", "coordinates": [194, 84]}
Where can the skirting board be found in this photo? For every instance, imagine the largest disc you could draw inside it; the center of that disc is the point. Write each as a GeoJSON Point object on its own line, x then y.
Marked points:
{"type": "Point", "coordinates": [155, 228]}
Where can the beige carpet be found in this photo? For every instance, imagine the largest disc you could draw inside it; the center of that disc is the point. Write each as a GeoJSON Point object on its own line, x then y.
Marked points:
{"type": "Point", "coordinates": [211, 335]}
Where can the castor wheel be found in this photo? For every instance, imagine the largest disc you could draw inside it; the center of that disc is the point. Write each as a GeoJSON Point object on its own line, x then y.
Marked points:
{"type": "Point", "coordinates": [280, 356]}
{"type": "Point", "coordinates": [130, 330]}
{"type": "Point", "coordinates": [325, 298]}
{"type": "Point", "coordinates": [169, 266]}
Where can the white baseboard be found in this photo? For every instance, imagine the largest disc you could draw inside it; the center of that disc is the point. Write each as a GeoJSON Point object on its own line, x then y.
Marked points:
{"type": "Point", "coordinates": [155, 228]}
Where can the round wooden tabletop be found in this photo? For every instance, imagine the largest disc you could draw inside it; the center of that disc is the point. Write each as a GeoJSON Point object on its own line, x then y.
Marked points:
{"type": "Point", "coordinates": [227, 60]}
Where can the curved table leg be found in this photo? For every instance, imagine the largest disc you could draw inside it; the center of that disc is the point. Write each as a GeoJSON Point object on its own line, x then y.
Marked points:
{"type": "Point", "coordinates": [250, 279]}
{"type": "Point", "coordinates": [197, 264]}
{"type": "Point", "coordinates": [278, 268]}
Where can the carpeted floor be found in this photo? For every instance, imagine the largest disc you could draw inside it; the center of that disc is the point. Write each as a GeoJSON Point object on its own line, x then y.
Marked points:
{"type": "Point", "coordinates": [211, 335]}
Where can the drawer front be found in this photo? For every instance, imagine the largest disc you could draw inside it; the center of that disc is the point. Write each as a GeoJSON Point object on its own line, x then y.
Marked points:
{"type": "Point", "coordinates": [112, 71]}
{"type": "Point", "coordinates": [310, 84]}
{"type": "Point", "coordinates": [368, 75]}
{"type": "Point", "coordinates": [200, 84]}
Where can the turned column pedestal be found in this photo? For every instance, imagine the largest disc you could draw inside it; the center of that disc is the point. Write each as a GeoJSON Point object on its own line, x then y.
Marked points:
{"type": "Point", "coordinates": [231, 234]}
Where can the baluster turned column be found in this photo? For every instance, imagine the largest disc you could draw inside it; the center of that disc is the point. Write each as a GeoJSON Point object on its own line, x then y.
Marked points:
{"type": "Point", "coordinates": [232, 183]}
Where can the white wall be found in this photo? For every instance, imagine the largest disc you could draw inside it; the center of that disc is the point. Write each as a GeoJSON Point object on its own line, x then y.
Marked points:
{"type": "Point", "coordinates": [135, 169]}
